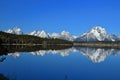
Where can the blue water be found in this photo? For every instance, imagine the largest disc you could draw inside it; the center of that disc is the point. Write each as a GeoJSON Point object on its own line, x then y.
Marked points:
{"type": "Point", "coordinates": [55, 66]}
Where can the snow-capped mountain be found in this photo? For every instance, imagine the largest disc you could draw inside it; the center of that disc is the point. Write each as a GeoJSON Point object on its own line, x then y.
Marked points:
{"type": "Point", "coordinates": [63, 35]}
{"type": "Point", "coordinates": [97, 33]}
{"type": "Point", "coordinates": [55, 35]}
{"type": "Point", "coordinates": [41, 34]}
{"type": "Point", "coordinates": [67, 36]}
{"type": "Point", "coordinates": [14, 30]}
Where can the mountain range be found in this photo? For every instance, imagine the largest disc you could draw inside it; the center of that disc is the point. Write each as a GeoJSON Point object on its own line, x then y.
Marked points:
{"type": "Point", "coordinates": [97, 33]}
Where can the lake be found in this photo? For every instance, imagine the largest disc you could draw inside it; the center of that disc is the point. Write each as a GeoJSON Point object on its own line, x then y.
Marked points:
{"type": "Point", "coordinates": [71, 63]}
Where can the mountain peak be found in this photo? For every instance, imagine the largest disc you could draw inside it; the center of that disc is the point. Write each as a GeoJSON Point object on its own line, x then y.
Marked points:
{"type": "Point", "coordinates": [65, 33]}
{"type": "Point", "coordinates": [99, 29]}
{"type": "Point", "coordinates": [97, 33]}
{"type": "Point", "coordinates": [43, 31]}
{"type": "Point", "coordinates": [41, 34]}
{"type": "Point", "coordinates": [55, 35]}
{"type": "Point", "coordinates": [14, 30]}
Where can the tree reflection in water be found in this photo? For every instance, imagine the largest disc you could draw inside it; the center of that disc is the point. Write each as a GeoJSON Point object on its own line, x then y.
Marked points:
{"type": "Point", "coordinates": [2, 77]}
{"type": "Point", "coordinates": [2, 58]}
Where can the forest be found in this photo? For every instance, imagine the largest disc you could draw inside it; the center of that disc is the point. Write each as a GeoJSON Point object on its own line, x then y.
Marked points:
{"type": "Point", "coordinates": [7, 38]}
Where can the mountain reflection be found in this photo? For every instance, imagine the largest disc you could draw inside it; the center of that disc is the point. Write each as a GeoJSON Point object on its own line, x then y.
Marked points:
{"type": "Point", "coordinates": [95, 54]}
{"type": "Point", "coordinates": [62, 52]}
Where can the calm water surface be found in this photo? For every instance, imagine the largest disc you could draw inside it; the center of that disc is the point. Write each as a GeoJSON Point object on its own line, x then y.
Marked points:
{"type": "Point", "coordinates": [76, 63]}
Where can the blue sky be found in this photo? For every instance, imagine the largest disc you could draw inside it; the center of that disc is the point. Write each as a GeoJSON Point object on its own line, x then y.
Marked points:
{"type": "Point", "coordinates": [75, 16]}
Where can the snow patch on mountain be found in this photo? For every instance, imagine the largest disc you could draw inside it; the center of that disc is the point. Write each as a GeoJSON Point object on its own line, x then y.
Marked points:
{"type": "Point", "coordinates": [63, 35]}
{"type": "Point", "coordinates": [97, 33]}
{"type": "Point", "coordinates": [41, 34]}
{"type": "Point", "coordinates": [15, 30]}
{"type": "Point", "coordinates": [55, 35]}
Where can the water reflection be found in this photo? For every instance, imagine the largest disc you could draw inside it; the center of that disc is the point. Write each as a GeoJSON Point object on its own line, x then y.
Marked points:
{"type": "Point", "coordinates": [2, 58]}
{"type": "Point", "coordinates": [96, 55]}
{"type": "Point", "coordinates": [26, 66]}
{"type": "Point", "coordinates": [63, 52]}
{"type": "Point", "coordinates": [4, 50]}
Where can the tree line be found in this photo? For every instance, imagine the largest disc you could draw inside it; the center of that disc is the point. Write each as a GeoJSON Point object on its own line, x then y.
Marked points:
{"type": "Point", "coordinates": [7, 38]}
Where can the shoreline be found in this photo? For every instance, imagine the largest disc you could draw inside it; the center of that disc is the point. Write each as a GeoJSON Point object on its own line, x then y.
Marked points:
{"type": "Point", "coordinates": [85, 44]}
{"type": "Point", "coordinates": [36, 44]}
{"type": "Point", "coordinates": [101, 45]}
